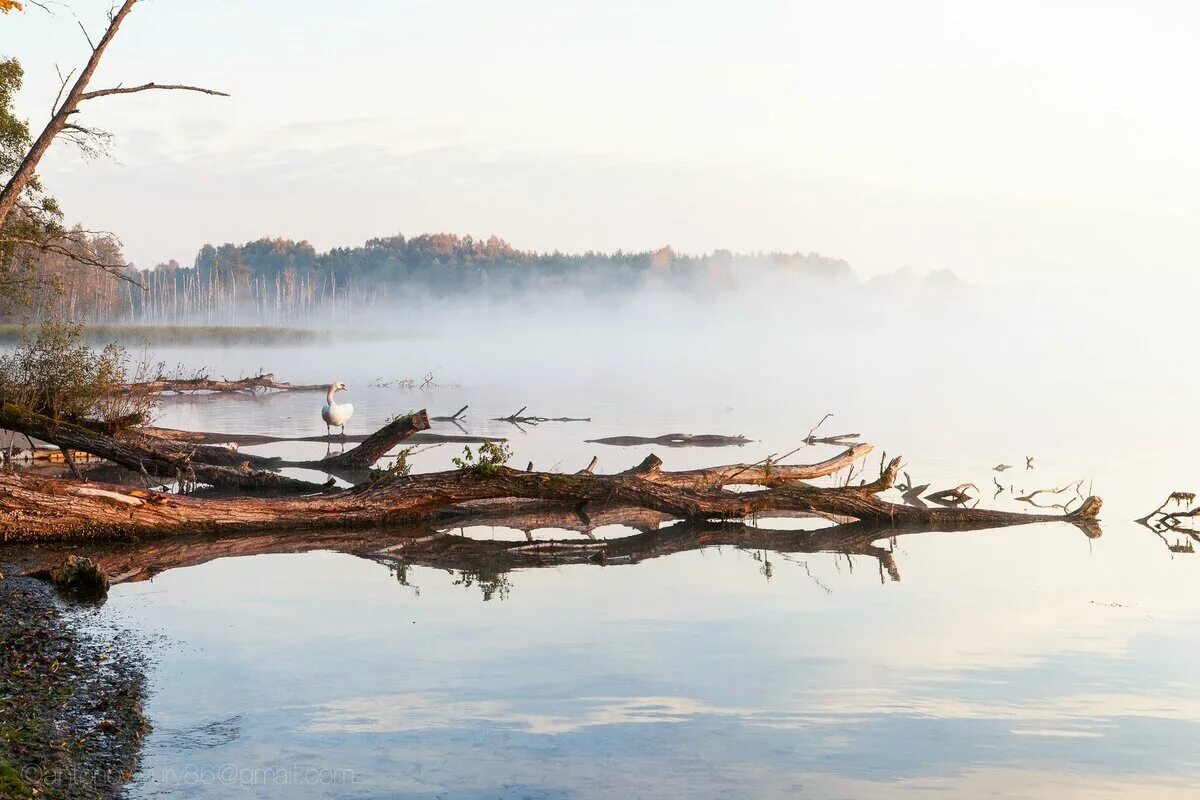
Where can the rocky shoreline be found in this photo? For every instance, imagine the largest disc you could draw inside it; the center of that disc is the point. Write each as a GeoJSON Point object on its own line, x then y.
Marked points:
{"type": "Point", "coordinates": [71, 721]}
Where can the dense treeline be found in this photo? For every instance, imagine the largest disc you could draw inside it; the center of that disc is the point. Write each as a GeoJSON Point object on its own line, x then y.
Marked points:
{"type": "Point", "coordinates": [64, 283]}
{"type": "Point", "coordinates": [279, 281]}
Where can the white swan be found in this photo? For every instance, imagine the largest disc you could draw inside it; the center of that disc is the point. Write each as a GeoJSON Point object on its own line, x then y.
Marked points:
{"type": "Point", "coordinates": [336, 413]}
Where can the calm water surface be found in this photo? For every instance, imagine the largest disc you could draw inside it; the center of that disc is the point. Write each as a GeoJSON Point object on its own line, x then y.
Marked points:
{"type": "Point", "coordinates": [1027, 662]}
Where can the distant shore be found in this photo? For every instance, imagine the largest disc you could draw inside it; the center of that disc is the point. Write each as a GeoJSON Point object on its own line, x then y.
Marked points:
{"type": "Point", "coordinates": [185, 335]}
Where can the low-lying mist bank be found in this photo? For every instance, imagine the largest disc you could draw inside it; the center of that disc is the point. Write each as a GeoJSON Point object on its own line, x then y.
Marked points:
{"type": "Point", "coordinates": [279, 282]}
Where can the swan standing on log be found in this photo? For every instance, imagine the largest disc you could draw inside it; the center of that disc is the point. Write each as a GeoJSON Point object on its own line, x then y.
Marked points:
{"type": "Point", "coordinates": [336, 413]}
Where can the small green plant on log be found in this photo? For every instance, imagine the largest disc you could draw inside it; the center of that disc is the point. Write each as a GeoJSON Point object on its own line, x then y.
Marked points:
{"type": "Point", "coordinates": [487, 462]}
{"type": "Point", "coordinates": [400, 468]}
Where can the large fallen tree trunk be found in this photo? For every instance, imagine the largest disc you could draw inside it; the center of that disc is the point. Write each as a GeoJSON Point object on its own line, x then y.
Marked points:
{"type": "Point", "coordinates": [215, 466]}
{"type": "Point", "coordinates": [34, 508]}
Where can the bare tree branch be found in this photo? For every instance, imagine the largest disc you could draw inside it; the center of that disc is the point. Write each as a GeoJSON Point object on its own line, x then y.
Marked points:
{"type": "Point", "coordinates": [24, 176]}
{"type": "Point", "coordinates": [62, 87]}
{"type": "Point", "coordinates": [74, 249]}
{"type": "Point", "coordinates": [145, 87]}
{"type": "Point", "coordinates": [86, 35]}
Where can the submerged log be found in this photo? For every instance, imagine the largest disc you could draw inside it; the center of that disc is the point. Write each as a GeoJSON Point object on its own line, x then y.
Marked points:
{"type": "Point", "coordinates": [520, 418]}
{"type": "Point", "coordinates": [840, 439]}
{"type": "Point", "coordinates": [675, 440]}
{"type": "Point", "coordinates": [34, 508]}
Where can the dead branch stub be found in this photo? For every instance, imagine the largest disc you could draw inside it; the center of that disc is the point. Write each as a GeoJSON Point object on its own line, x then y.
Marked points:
{"type": "Point", "coordinates": [520, 418]}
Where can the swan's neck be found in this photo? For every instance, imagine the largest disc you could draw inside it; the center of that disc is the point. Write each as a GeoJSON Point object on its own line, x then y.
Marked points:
{"type": "Point", "coordinates": [329, 395]}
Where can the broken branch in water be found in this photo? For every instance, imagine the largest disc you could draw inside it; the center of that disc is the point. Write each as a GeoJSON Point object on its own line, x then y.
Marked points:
{"type": "Point", "coordinates": [520, 418]}
{"type": "Point", "coordinates": [814, 428]}
{"type": "Point", "coordinates": [455, 417]}
{"type": "Point", "coordinates": [839, 439]}
{"type": "Point", "coordinates": [1031, 497]}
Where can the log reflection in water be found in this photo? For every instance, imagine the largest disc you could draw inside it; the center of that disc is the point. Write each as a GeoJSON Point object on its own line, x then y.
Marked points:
{"type": "Point", "coordinates": [485, 561]}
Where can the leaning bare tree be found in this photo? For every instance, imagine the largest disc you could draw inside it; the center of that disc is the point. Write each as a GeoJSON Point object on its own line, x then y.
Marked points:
{"type": "Point", "coordinates": [64, 123]}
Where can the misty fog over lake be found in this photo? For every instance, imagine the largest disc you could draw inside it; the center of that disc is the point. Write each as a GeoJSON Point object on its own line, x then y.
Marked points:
{"type": "Point", "coordinates": [1010, 663]}
{"type": "Point", "coordinates": [581, 400]}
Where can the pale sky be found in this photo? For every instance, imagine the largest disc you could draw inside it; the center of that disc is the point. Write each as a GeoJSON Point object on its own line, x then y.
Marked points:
{"type": "Point", "coordinates": [999, 140]}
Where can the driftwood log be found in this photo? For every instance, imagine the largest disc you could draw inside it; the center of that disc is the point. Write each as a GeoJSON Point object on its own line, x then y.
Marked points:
{"type": "Point", "coordinates": [33, 508]}
{"type": "Point", "coordinates": [264, 382]}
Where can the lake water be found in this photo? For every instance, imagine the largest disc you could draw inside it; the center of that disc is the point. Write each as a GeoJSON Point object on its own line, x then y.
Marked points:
{"type": "Point", "coordinates": [1024, 662]}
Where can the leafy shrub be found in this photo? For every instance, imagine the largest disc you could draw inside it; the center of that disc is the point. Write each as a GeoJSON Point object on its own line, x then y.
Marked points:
{"type": "Point", "coordinates": [55, 375]}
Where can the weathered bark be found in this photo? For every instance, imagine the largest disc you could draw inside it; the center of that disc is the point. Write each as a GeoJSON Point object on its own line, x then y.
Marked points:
{"type": "Point", "coordinates": [216, 466]}
{"type": "Point", "coordinates": [762, 473]}
{"type": "Point", "coordinates": [33, 508]}
{"type": "Point", "coordinates": [375, 446]}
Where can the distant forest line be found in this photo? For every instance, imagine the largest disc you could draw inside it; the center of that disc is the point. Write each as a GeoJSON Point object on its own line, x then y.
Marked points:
{"type": "Point", "coordinates": [283, 282]}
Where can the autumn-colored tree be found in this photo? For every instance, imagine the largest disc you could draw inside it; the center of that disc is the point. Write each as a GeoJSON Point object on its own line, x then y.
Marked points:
{"type": "Point", "coordinates": [9, 5]}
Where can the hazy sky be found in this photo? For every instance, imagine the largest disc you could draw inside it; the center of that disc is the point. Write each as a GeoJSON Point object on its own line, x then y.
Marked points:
{"type": "Point", "coordinates": [995, 139]}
